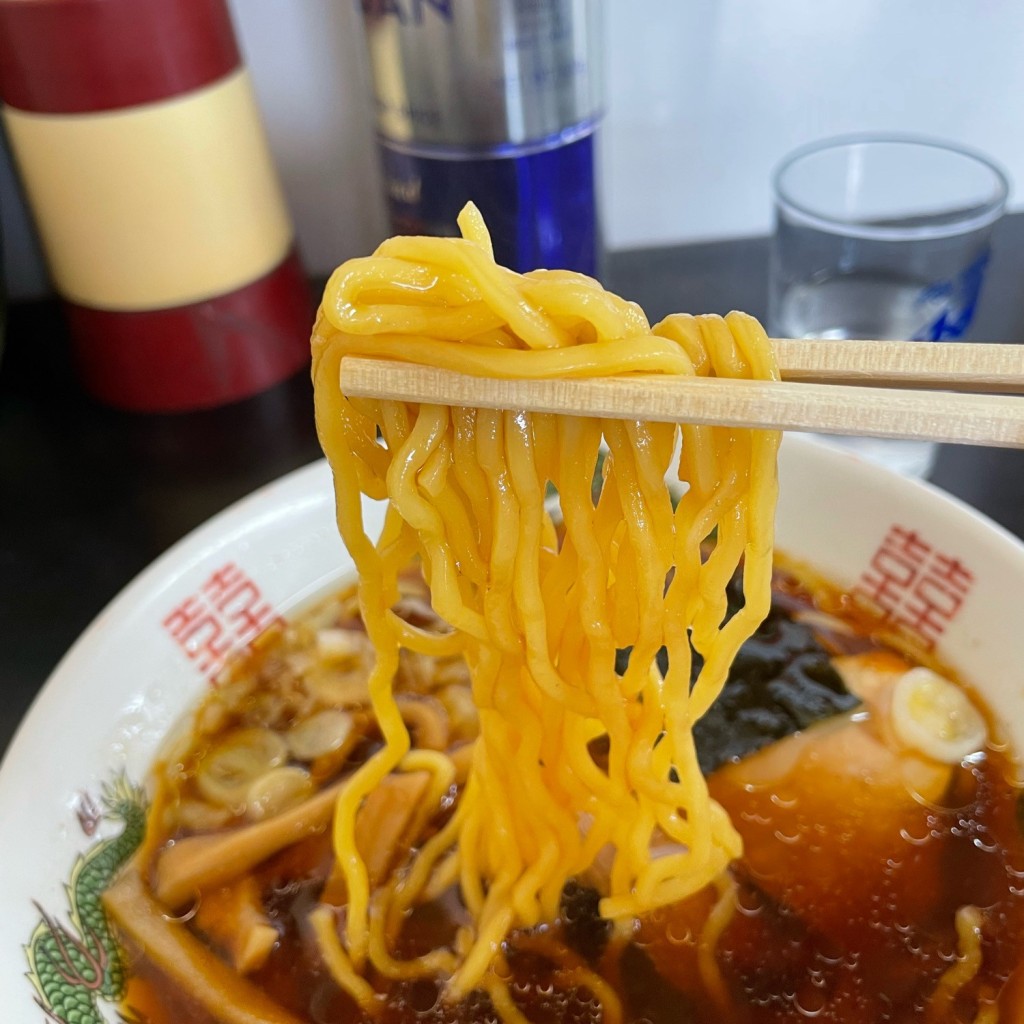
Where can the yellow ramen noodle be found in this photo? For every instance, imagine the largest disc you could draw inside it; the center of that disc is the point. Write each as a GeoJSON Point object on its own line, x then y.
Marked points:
{"type": "Point", "coordinates": [577, 767]}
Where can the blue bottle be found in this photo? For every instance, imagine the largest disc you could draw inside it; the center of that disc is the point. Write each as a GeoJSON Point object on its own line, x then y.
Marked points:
{"type": "Point", "coordinates": [497, 102]}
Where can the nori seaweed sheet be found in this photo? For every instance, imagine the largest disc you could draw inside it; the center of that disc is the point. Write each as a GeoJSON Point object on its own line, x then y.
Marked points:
{"type": "Point", "coordinates": [781, 682]}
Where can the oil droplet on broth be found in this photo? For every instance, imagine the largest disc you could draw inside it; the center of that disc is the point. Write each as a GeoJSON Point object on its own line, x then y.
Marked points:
{"type": "Point", "coordinates": [423, 997]}
{"type": "Point", "coordinates": [749, 901]}
{"type": "Point", "coordinates": [679, 933]}
{"type": "Point", "coordinates": [915, 840]}
{"type": "Point", "coordinates": [810, 1001]}
{"type": "Point", "coordinates": [789, 840]}
{"type": "Point", "coordinates": [501, 970]}
{"type": "Point", "coordinates": [827, 955]}
{"type": "Point", "coordinates": [784, 803]}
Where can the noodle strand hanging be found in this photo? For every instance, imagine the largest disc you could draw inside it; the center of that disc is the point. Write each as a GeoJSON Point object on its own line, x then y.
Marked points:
{"type": "Point", "coordinates": [549, 574]}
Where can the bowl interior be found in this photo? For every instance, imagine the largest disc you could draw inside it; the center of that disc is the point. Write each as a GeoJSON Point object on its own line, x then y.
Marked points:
{"type": "Point", "coordinates": [936, 568]}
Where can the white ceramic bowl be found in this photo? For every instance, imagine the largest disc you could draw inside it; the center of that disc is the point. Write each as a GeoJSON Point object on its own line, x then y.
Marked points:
{"type": "Point", "coordinates": [937, 566]}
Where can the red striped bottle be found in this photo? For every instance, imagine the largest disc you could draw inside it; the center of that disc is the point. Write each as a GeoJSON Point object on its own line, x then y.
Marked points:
{"type": "Point", "coordinates": [138, 140]}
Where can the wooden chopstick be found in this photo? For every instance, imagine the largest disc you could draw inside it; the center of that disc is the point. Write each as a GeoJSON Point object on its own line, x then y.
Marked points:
{"type": "Point", "coordinates": [947, 365]}
{"type": "Point", "coordinates": [886, 411]}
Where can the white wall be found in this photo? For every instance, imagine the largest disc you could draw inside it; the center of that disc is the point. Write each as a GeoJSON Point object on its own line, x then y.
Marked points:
{"type": "Point", "coordinates": [708, 95]}
{"type": "Point", "coordinates": [705, 96]}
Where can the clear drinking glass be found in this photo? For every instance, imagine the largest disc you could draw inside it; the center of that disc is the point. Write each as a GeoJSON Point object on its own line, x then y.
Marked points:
{"type": "Point", "coordinates": [881, 236]}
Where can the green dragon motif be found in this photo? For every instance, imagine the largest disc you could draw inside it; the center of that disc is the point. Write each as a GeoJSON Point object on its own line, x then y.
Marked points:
{"type": "Point", "coordinates": [72, 969]}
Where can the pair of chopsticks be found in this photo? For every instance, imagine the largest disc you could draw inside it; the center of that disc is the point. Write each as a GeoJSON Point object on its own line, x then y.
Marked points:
{"type": "Point", "coordinates": [939, 391]}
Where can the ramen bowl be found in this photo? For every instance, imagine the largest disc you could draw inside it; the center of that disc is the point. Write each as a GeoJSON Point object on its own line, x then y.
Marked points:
{"type": "Point", "coordinates": [936, 570]}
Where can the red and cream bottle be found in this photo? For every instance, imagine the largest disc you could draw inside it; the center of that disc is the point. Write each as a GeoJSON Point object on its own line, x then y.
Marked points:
{"type": "Point", "coordinates": [140, 147]}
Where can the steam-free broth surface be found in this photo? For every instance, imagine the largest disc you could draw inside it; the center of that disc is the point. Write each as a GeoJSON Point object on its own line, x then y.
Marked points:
{"type": "Point", "coordinates": [876, 884]}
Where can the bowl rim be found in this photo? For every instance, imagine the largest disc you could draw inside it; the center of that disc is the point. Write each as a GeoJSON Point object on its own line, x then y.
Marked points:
{"type": "Point", "coordinates": [305, 492]}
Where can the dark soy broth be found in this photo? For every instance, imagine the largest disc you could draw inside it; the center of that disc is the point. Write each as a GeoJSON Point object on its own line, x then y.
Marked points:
{"type": "Point", "coordinates": [843, 909]}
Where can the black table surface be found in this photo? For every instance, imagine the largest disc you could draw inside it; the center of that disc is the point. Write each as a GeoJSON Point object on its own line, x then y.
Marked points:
{"type": "Point", "coordinates": [89, 496]}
